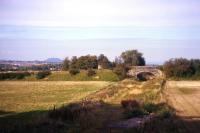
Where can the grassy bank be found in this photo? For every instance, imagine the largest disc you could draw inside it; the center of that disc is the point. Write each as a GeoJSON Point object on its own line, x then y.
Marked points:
{"type": "Point", "coordinates": [101, 75]}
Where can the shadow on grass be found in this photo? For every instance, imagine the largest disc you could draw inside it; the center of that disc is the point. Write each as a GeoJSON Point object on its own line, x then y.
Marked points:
{"type": "Point", "coordinates": [2, 113]}
{"type": "Point", "coordinates": [11, 121]}
{"type": "Point", "coordinates": [78, 117]}
{"type": "Point", "coordinates": [89, 117]}
{"type": "Point", "coordinates": [174, 124]}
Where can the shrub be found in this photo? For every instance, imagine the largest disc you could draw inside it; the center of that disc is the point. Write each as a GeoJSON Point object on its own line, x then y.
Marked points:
{"type": "Point", "coordinates": [20, 76]}
{"type": "Point", "coordinates": [138, 112]}
{"type": "Point", "coordinates": [150, 107]}
{"type": "Point", "coordinates": [165, 113]}
{"type": "Point", "coordinates": [42, 74]}
{"type": "Point", "coordinates": [13, 75]}
{"type": "Point", "coordinates": [90, 72]}
{"type": "Point", "coordinates": [121, 70]}
{"type": "Point", "coordinates": [133, 109]}
{"type": "Point", "coordinates": [81, 114]}
{"type": "Point", "coordinates": [74, 71]}
{"type": "Point", "coordinates": [72, 112]}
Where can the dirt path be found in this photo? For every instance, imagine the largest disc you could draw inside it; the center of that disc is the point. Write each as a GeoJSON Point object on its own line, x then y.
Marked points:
{"type": "Point", "coordinates": [184, 97]}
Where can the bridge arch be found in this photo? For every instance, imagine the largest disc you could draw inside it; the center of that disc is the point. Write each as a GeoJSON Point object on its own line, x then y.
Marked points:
{"type": "Point", "coordinates": [148, 72]}
{"type": "Point", "coordinates": [145, 75]}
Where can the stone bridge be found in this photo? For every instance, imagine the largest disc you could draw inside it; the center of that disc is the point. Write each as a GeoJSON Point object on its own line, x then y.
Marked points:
{"type": "Point", "coordinates": [136, 70]}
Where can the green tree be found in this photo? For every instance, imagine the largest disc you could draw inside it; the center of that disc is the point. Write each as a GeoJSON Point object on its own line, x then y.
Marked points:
{"type": "Point", "coordinates": [104, 62]}
{"type": "Point", "coordinates": [133, 58]}
{"type": "Point", "coordinates": [121, 70]}
{"type": "Point", "coordinates": [66, 64]}
{"type": "Point", "coordinates": [74, 61]}
{"type": "Point", "coordinates": [74, 71]}
{"type": "Point", "coordinates": [179, 68]}
{"type": "Point", "coordinates": [196, 66]}
{"type": "Point", "coordinates": [87, 62]}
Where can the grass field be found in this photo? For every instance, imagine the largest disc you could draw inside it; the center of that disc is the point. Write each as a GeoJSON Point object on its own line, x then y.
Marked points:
{"type": "Point", "coordinates": [27, 101]}
{"type": "Point", "coordinates": [25, 106]}
{"type": "Point", "coordinates": [23, 96]}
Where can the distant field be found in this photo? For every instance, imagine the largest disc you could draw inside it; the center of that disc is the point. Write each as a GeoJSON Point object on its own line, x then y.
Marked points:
{"type": "Point", "coordinates": [184, 96]}
{"type": "Point", "coordinates": [101, 75]}
{"type": "Point", "coordinates": [23, 96]}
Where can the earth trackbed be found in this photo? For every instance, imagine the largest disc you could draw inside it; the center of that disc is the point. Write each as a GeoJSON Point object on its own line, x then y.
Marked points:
{"type": "Point", "coordinates": [184, 97]}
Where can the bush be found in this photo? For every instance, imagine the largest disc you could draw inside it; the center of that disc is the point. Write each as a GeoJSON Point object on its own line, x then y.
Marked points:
{"type": "Point", "coordinates": [13, 75]}
{"type": "Point", "coordinates": [165, 113]}
{"type": "Point", "coordinates": [42, 74]}
{"type": "Point", "coordinates": [90, 72]}
{"type": "Point", "coordinates": [138, 112]}
{"type": "Point", "coordinates": [121, 70]}
{"type": "Point", "coordinates": [79, 113]}
{"type": "Point", "coordinates": [135, 109]}
{"type": "Point", "coordinates": [20, 76]}
{"type": "Point", "coordinates": [74, 71]}
{"type": "Point", "coordinates": [150, 107]}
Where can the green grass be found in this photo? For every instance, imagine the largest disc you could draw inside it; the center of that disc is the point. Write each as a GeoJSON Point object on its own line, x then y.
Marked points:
{"type": "Point", "coordinates": [101, 75]}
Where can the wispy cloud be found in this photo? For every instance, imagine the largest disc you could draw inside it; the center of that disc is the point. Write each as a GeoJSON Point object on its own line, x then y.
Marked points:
{"type": "Point", "coordinates": [100, 12]}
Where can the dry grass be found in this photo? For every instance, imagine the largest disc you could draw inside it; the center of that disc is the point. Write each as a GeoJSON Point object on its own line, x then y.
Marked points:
{"type": "Point", "coordinates": [129, 89]}
{"type": "Point", "coordinates": [23, 96]}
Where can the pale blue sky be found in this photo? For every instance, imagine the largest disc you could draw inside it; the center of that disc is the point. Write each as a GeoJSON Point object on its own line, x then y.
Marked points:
{"type": "Point", "coordinates": [38, 29]}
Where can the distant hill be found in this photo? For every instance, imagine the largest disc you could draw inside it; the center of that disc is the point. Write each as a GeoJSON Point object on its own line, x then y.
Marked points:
{"type": "Point", "coordinates": [53, 60]}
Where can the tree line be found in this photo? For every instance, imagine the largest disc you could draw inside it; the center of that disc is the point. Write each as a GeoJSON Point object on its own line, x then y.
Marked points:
{"type": "Point", "coordinates": [182, 68]}
{"type": "Point", "coordinates": [13, 75]}
{"type": "Point", "coordinates": [128, 58]}
{"type": "Point", "coordinates": [120, 65]}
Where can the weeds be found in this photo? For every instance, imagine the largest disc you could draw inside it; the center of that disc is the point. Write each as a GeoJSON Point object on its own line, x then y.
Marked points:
{"type": "Point", "coordinates": [134, 108]}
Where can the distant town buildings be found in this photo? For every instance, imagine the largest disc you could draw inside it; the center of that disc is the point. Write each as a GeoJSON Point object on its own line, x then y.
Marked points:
{"type": "Point", "coordinates": [29, 65]}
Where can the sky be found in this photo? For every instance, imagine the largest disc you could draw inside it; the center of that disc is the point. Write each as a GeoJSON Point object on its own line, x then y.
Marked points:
{"type": "Point", "coordinates": [40, 29]}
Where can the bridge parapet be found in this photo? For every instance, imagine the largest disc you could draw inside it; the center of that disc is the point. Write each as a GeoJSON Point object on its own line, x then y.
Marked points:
{"type": "Point", "coordinates": [134, 71]}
